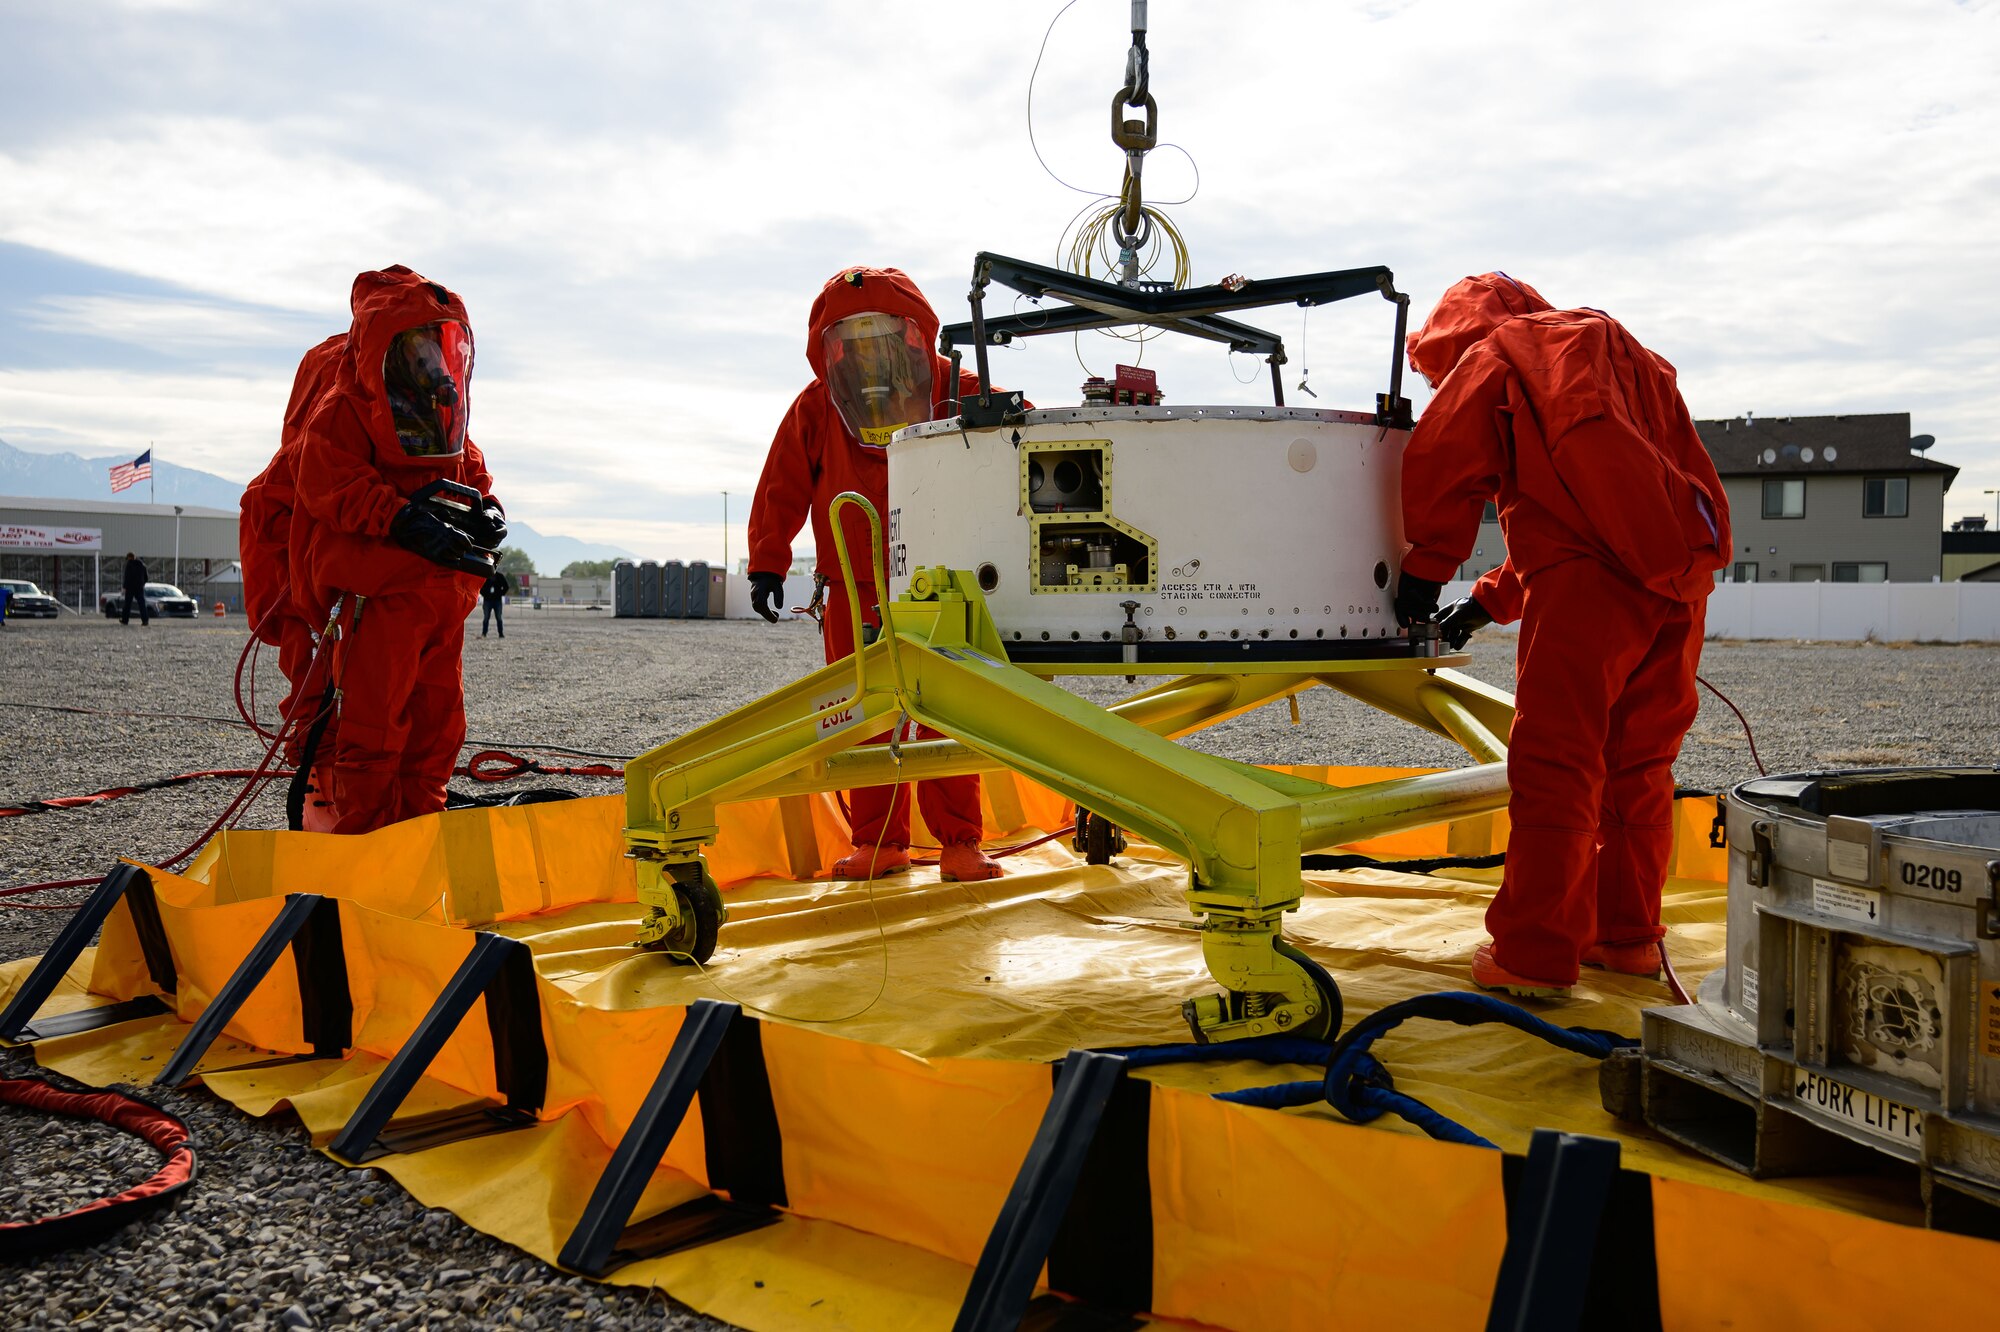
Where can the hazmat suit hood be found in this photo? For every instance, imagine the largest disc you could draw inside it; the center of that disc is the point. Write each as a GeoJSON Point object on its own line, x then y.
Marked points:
{"type": "Point", "coordinates": [1465, 315]}
{"type": "Point", "coordinates": [854, 291]}
{"type": "Point", "coordinates": [387, 302]}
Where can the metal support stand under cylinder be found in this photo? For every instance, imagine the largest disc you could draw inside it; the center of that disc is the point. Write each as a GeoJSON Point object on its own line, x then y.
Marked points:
{"type": "Point", "coordinates": [939, 661]}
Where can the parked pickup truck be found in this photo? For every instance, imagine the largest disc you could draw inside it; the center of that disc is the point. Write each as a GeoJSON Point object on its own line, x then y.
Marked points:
{"type": "Point", "coordinates": [161, 599]}
{"type": "Point", "coordinates": [25, 601]}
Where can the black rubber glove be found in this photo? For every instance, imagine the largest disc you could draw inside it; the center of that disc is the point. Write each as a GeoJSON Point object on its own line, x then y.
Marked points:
{"type": "Point", "coordinates": [1460, 621]}
{"type": "Point", "coordinates": [1416, 598]}
{"type": "Point", "coordinates": [417, 528]}
{"type": "Point", "coordinates": [766, 588]}
{"type": "Point", "coordinates": [489, 525]}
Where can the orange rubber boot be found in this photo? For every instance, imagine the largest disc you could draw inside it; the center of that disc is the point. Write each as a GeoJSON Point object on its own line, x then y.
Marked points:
{"type": "Point", "coordinates": [1625, 959]}
{"type": "Point", "coordinates": [1488, 974]}
{"type": "Point", "coordinates": [964, 862]}
{"type": "Point", "coordinates": [871, 862]}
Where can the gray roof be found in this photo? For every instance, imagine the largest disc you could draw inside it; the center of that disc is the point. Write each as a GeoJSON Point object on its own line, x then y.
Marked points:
{"type": "Point", "coordinates": [130, 510]}
{"type": "Point", "coordinates": [1872, 442]}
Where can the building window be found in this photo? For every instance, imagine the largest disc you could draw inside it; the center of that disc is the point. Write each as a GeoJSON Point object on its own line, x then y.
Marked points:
{"type": "Point", "coordinates": [1885, 497]}
{"type": "Point", "coordinates": [1860, 573]}
{"type": "Point", "coordinates": [1745, 573]}
{"type": "Point", "coordinates": [1785, 499]}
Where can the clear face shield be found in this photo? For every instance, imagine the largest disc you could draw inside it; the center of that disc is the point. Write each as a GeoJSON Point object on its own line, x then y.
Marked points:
{"type": "Point", "coordinates": [879, 373]}
{"type": "Point", "coordinates": [427, 373]}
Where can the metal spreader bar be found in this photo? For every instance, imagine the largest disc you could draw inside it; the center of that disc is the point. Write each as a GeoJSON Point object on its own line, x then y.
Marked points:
{"type": "Point", "coordinates": [1192, 310]}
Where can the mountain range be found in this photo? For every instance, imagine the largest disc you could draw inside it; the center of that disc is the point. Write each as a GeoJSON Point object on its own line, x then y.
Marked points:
{"type": "Point", "coordinates": [67, 476]}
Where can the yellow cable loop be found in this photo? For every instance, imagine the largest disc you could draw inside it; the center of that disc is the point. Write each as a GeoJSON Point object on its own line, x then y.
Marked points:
{"type": "Point", "coordinates": [1092, 246]}
{"type": "Point", "coordinates": [847, 497]}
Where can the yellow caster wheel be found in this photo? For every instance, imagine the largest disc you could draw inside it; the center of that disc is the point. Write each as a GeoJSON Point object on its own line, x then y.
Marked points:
{"type": "Point", "coordinates": [702, 914]}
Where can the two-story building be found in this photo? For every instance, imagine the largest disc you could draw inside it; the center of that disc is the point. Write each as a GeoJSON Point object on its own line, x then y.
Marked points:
{"type": "Point", "coordinates": [1841, 499]}
{"type": "Point", "coordinates": [1833, 499]}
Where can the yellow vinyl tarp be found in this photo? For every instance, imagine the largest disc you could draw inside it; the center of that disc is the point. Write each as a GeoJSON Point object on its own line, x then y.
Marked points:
{"type": "Point", "coordinates": [907, 1028]}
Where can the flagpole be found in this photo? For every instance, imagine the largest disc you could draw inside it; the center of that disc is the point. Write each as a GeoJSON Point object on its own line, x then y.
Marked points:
{"type": "Point", "coordinates": [152, 469]}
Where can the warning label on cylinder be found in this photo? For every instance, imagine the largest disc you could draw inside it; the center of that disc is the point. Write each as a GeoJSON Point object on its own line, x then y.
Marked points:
{"type": "Point", "coordinates": [1210, 592]}
{"type": "Point", "coordinates": [1989, 1020]}
{"type": "Point", "coordinates": [1837, 899]}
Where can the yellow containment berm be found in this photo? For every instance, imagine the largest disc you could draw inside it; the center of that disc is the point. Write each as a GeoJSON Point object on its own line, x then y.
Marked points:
{"type": "Point", "coordinates": [871, 1106]}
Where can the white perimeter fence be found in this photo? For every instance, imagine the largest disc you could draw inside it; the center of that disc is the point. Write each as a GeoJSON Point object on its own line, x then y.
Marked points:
{"type": "Point", "coordinates": [1842, 612]}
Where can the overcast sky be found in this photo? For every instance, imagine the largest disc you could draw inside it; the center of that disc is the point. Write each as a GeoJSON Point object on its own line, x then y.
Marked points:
{"type": "Point", "coordinates": [1794, 201]}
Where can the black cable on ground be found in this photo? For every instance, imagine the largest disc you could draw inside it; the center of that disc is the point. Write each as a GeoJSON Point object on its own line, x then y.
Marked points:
{"type": "Point", "coordinates": [1423, 866]}
{"type": "Point", "coordinates": [57, 803]}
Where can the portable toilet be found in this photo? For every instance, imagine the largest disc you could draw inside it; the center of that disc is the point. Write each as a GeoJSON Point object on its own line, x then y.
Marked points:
{"type": "Point", "coordinates": [624, 589]}
{"type": "Point", "coordinates": [697, 590]}
{"type": "Point", "coordinates": [718, 586]}
{"type": "Point", "coordinates": [673, 590]}
{"type": "Point", "coordinates": [649, 589]}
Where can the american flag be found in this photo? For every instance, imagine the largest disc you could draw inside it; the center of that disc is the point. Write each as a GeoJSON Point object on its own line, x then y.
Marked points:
{"type": "Point", "coordinates": [126, 475]}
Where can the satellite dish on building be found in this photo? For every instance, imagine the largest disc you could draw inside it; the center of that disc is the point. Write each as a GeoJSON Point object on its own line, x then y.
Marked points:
{"type": "Point", "coordinates": [1922, 442]}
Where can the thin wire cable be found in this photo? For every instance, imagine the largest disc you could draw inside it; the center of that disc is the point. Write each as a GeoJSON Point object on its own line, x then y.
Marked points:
{"type": "Point", "coordinates": [1193, 166]}
{"type": "Point", "coordinates": [1040, 52]}
{"type": "Point", "coordinates": [881, 931]}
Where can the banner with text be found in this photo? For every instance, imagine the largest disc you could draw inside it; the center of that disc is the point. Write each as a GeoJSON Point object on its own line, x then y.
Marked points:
{"type": "Point", "coordinates": [79, 540]}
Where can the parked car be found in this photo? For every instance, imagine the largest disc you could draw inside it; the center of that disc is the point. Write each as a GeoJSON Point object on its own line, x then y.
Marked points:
{"type": "Point", "coordinates": [28, 602]}
{"type": "Point", "coordinates": [161, 599]}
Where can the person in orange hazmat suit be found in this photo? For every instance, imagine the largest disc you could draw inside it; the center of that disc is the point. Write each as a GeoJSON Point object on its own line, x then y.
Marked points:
{"type": "Point", "coordinates": [869, 340]}
{"type": "Point", "coordinates": [394, 522]}
{"type": "Point", "coordinates": [1615, 523]}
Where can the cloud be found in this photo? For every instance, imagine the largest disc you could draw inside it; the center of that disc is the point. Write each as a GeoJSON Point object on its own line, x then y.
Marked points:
{"type": "Point", "coordinates": [191, 325]}
{"type": "Point", "coordinates": [222, 424]}
{"type": "Point", "coordinates": [639, 202]}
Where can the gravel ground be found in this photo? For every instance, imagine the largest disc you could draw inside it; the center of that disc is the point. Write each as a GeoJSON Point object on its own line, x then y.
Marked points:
{"type": "Point", "coordinates": [256, 1244]}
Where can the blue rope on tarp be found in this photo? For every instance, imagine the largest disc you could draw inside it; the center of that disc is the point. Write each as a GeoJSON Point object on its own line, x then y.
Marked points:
{"type": "Point", "coordinates": [1359, 1085]}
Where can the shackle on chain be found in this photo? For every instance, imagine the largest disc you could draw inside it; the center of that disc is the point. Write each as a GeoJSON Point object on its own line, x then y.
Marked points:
{"type": "Point", "coordinates": [1135, 137]}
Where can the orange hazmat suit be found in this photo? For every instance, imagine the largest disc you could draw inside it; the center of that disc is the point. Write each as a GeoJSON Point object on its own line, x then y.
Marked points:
{"type": "Point", "coordinates": [1615, 523]}
{"type": "Point", "coordinates": [397, 659]}
{"type": "Point", "coordinates": [818, 452]}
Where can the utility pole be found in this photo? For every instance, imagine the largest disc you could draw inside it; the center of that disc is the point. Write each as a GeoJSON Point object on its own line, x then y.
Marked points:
{"type": "Point", "coordinates": [725, 534]}
{"type": "Point", "coordinates": [1996, 507]}
{"type": "Point", "coordinates": [176, 578]}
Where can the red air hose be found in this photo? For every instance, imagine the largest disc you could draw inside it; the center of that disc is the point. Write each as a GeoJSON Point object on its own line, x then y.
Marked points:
{"type": "Point", "coordinates": [1741, 720]}
{"type": "Point", "coordinates": [94, 1220]}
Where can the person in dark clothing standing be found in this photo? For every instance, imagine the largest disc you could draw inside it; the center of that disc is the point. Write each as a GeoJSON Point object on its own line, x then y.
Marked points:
{"type": "Point", "coordinates": [135, 590]}
{"type": "Point", "coordinates": [492, 597]}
